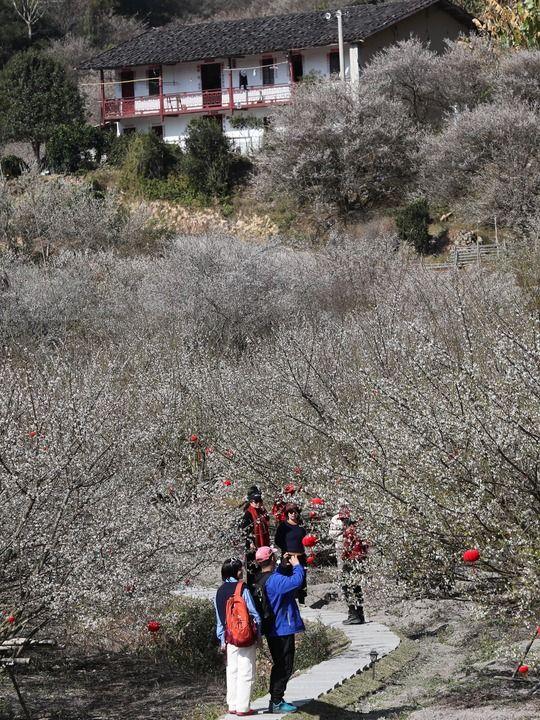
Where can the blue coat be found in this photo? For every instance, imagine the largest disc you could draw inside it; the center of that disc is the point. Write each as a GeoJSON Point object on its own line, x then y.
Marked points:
{"type": "Point", "coordinates": [281, 590]}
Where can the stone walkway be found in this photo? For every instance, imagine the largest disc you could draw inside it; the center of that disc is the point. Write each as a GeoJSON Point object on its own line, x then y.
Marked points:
{"type": "Point", "coordinates": [329, 674]}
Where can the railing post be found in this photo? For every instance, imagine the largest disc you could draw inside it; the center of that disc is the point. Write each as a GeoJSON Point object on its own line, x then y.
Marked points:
{"type": "Point", "coordinates": [161, 106]}
{"type": "Point", "coordinates": [231, 91]}
{"type": "Point", "coordinates": [102, 95]}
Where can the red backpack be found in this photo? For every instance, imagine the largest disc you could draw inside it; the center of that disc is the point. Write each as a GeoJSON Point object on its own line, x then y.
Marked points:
{"type": "Point", "coordinates": [239, 627]}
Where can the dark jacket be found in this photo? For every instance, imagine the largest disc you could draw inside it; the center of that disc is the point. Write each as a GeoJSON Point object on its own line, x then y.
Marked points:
{"type": "Point", "coordinates": [289, 537]}
{"type": "Point", "coordinates": [281, 593]}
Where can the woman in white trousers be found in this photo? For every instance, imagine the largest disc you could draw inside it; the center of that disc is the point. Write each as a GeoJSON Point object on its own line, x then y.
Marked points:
{"type": "Point", "coordinates": [241, 661]}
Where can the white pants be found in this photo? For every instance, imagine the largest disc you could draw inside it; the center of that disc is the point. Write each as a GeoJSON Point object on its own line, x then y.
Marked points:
{"type": "Point", "coordinates": [240, 676]}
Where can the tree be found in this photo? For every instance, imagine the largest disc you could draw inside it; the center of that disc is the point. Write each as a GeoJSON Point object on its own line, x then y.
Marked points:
{"type": "Point", "coordinates": [335, 148]}
{"type": "Point", "coordinates": [35, 97]}
{"type": "Point", "coordinates": [31, 12]}
{"type": "Point", "coordinates": [512, 24]}
{"type": "Point", "coordinates": [486, 162]}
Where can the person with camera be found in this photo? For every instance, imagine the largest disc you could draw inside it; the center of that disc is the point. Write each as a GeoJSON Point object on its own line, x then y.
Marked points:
{"type": "Point", "coordinates": [289, 536]}
{"type": "Point", "coordinates": [282, 620]}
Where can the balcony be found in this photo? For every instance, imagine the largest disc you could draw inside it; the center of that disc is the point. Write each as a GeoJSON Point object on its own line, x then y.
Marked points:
{"type": "Point", "coordinates": [202, 101]}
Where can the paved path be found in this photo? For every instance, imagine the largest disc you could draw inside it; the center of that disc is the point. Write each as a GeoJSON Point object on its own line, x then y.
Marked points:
{"type": "Point", "coordinates": [327, 675]}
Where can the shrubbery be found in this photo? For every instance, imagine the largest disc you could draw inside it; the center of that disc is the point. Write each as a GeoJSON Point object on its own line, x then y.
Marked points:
{"type": "Point", "coordinates": [42, 215]}
{"type": "Point", "coordinates": [74, 147]}
{"type": "Point", "coordinates": [208, 157]}
{"type": "Point", "coordinates": [12, 166]}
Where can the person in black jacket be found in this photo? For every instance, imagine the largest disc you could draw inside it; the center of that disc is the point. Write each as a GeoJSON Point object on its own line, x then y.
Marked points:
{"type": "Point", "coordinates": [289, 536]}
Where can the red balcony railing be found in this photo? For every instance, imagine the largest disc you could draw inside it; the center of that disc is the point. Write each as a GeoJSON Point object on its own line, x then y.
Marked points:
{"type": "Point", "coordinates": [185, 103]}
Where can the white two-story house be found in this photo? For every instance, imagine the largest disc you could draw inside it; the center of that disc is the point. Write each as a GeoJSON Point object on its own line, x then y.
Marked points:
{"type": "Point", "coordinates": [169, 75]}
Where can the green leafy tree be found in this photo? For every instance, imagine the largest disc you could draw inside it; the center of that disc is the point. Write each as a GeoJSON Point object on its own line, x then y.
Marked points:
{"type": "Point", "coordinates": [208, 158]}
{"type": "Point", "coordinates": [412, 224]}
{"type": "Point", "coordinates": [35, 97]}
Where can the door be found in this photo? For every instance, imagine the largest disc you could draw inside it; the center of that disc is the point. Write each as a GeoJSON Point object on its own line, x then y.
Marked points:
{"type": "Point", "coordinates": [211, 85]}
{"type": "Point", "coordinates": [127, 78]}
{"type": "Point", "coordinates": [297, 68]}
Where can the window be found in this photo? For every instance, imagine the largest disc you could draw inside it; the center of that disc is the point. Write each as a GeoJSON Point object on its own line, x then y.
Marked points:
{"type": "Point", "coordinates": [158, 130]}
{"type": "Point", "coordinates": [129, 130]}
{"type": "Point", "coordinates": [268, 71]}
{"type": "Point", "coordinates": [333, 60]}
{"type": "Point", "coordinates": [153, 81]}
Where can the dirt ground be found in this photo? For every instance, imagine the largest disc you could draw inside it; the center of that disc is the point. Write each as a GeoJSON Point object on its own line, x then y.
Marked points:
{"type": "Point", "coordinates": [457, 672]}
{"type": "Point", "coordinates": [106, 688]}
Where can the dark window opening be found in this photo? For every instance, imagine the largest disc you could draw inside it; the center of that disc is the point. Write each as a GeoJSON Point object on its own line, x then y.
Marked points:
{"type": "Point", "coordinates": [158, 130]}
{"type": "Point", "coordinates": [297, 66]}
{"type": "Point", "coordinates": [153, 81]}
{"type": "Point", "coordinates": [268, 71]}
{"type": "Point", "coordinates": [127, 80]}
{"type": "Point", "coordinates": [333, 59]}
{"type": "Point", "coordinates": [129, 131]}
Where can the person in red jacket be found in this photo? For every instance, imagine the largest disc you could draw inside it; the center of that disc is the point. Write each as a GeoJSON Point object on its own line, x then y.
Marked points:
{"type": "Point", "coordinates": [255, 526]}
{"type": "Point", "coordinates": [354, 553]}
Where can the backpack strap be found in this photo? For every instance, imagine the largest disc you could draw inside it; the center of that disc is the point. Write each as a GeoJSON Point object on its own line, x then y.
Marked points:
{"type": "Point", "coordinates": [239, 588]}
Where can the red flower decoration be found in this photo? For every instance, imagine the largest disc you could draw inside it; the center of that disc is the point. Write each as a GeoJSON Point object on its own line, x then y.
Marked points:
{"type": "Point", "coordinates": [297, 470]}
{"type": "Point", "coordinates": [227, 483]}
{"type": "Point", "coordinates": [310, 540]}
{"type": "Point", "coordinates": [229, 454]}
{"type": "Point", "coordinates": [523, 669]}
{"type": "Point", "coordinates": [313, 515]}
{"type": "Point", "coordinates": [471, 555]}
{"type": "Point", "coordinates": [194, 439]}
{"type": "Point", "coordinates": [11, 619]}
{"type": "Point", "coordinates": [289, 489]}
{"type": "Point", "coordinates": [154, 626]}
{"type": "Point", "coordinates": [310, 560]}
{"type": "Point", "coordinates": [317, 501]}
{"type": "Point", "coordinates": [32, 434]}
{"type": "Point", "coordinates": [208, 451]}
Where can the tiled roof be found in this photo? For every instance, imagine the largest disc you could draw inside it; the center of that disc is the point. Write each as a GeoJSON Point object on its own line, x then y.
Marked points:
{"type": "Point", "coordinates": [178, 42]}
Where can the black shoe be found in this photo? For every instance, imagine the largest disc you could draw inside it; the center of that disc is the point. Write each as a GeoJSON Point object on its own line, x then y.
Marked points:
{"type": "Point", "coordinates": [356, 616]}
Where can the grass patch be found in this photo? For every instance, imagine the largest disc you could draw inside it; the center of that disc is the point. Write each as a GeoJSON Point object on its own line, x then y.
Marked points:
{"type": "Point", "coordinates": [334, 705]}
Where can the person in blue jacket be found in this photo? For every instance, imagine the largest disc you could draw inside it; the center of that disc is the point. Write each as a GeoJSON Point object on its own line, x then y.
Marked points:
{"type": "Point", "coordinates": [281, 587]}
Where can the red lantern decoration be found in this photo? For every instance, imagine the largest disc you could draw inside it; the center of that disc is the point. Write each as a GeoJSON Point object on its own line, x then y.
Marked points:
{"type": "Point", "coordinates": [11, 619]}
{"type": "Point", "coordinates": [523, 669]}
{"type": "Point", "coordinates": [310, 540]}
{"type": "Point", "coordinates": [208, 451]}
{"type": "Point", "coordinates": [317, 501]}
{"type": "Point", "coordinates": [471, 556]}
{"type": "Point", "coordinates": [313, 515]}
{"type": "Point", "coordinates": [297, 470]}
{"type": "Point", "coordinates": [310, 560]}
{"type": "Point", "coordinates": [32, 434]}
{"type": "Point", "coordinates": [289, 489]}
{"type": "Point", "coordinates": [229, 454]}
{"type": "Point", "coordinates": [227, 483]}
{"type": "Point", "coordinates": [194, 439]}
{"type": "Point", "coordinates": [154, 626]}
